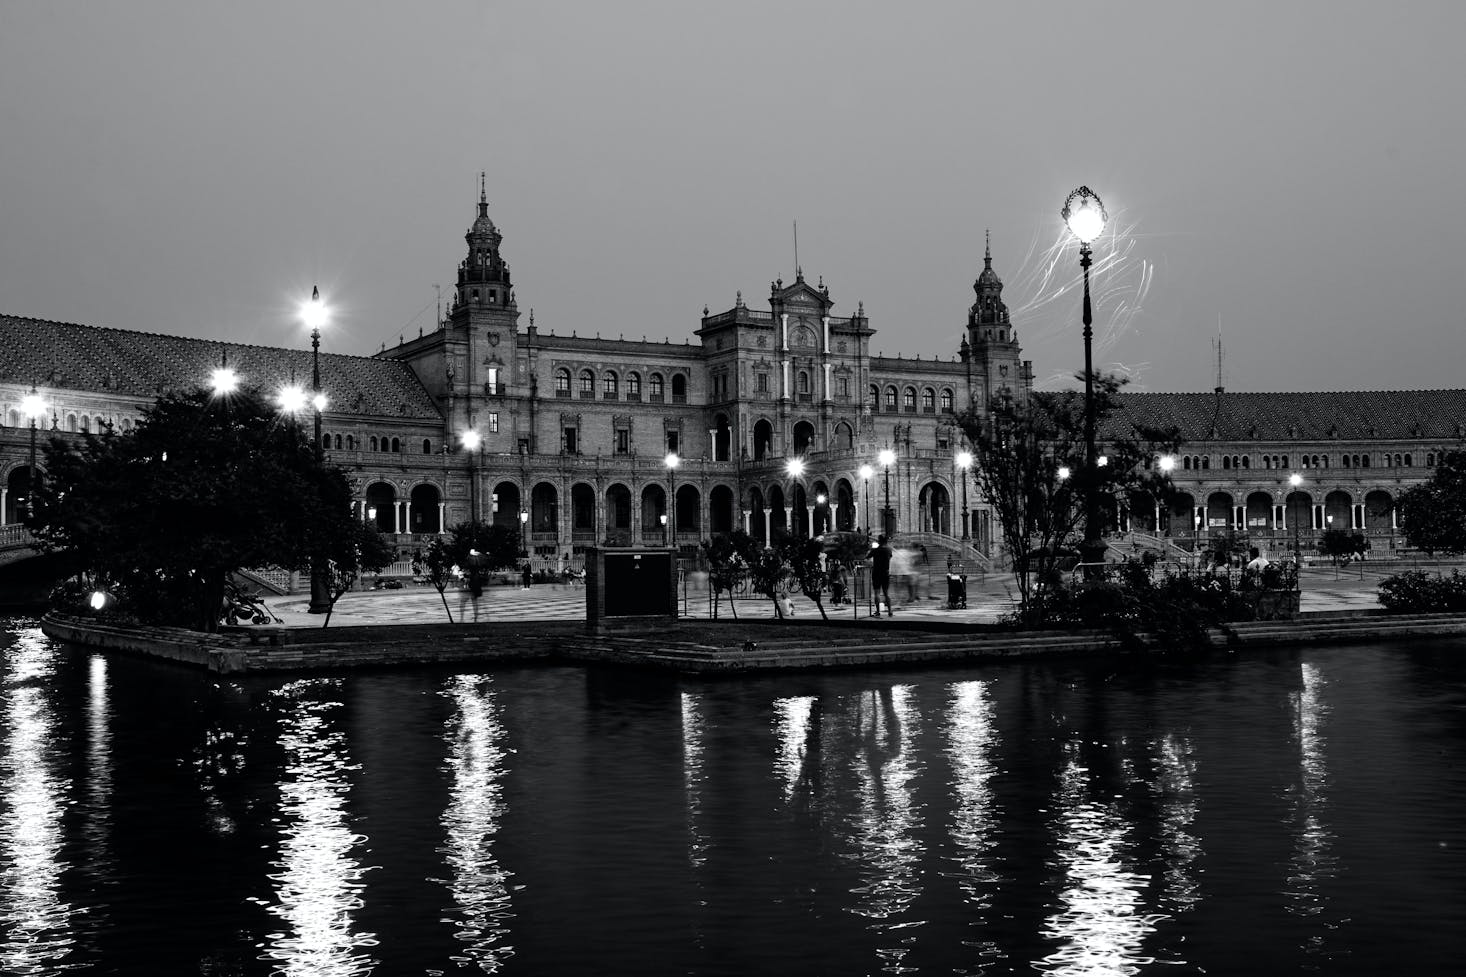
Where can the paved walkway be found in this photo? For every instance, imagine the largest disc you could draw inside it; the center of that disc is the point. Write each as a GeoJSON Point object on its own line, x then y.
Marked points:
{"type": "Point", "coordinates": [988, 598]}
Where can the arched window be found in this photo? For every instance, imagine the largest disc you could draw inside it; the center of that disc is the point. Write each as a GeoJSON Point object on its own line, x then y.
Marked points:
{"type": "Point", "coordinates": [562, 382]}
{"type": "Point", "coordinates": [679, 388]}
{"type": "Point", "coordinates": [803, 382]}
{"type": "Point", "coordinates": [338, 442]}
{"type": "Point", "coordinates": [633, 386]}
{"type": "Point", "coordinates": [1429, 457]}
{"type": "Point", "coordinates": [1246, 462]}
{"type": "Point", "coordinates": [71, 422]}
{"type": "Point", "coordinates": [656, 387]}
{"type": "Point", "coordinates": [890, 398]}
{"type": "Point", "coordinates": [373, 442]}
{"type": "Point", "coordinates": [1226, 462]}
{"type": "Point", "coordinates": [875, 397]}
{"type": "Point", "coordinates": [1365, 460]}
{"type": "Point", "coordinates": [1407, 461]}
{"type": "Point", "coordinates": [587, 383]}
{"type": "Point", "coordinates": [908, 399]}
{"type": "Point", "coordinates": [1186, 462]}
{"type": "Point", "coordinates": [86, 424]}
{"type": "Point", "coordinates": [929, 401]}
{"type": "Point", "coordinates": [427, 446]}
{"type": "Point", "coordinates": [609, 385]}
{"type": "Point", "coordinates": [396, 446]}
{"type": "Point", "coordinates": [1206, 462]}
{"type": "Point", "coordinates": [946, 400]}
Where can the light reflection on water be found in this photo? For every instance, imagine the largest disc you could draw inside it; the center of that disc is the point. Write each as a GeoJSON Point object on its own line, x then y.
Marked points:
{"type": "Point", "coordinates": [883, 837]}
{"type": "Point", "coordinates": [1174, 788]}
{"type": "Point", "coordinates": [792, 732]}
{"type": "Point", "coordinates": [318, 877]}
{"type": "Point", "coordinates": [1312, 861]}
{"type": "Point", "coordinates": [971, 747]}
{"type": "Point", "coordinates": [35, 919]}
{"type": "Point", "coordinates": [694, 746]}
{"type": "Point", "coordinates": [477, 758]}
{"type": "Point", "coordinates": [1100, 923]}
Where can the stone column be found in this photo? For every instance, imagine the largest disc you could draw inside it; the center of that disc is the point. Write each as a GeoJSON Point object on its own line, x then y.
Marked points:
{"type": "Point", "coordinates": [748, 520]}
{"type": "Point", "coordinates": [809, 513]}
{"type": "Point", "coordinates": [768, 526]}
{"type": "Point", "coordinates": [442, 517]}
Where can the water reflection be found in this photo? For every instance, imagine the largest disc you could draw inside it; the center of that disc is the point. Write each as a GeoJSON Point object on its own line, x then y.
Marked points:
{"type": "Point", "coordinates": [971, 746]}
{"type": "Point", "coordinates": [792, 731]}
{"type": "Point", "coordinates": [34, 917]}
{"type": "Point", "coordinates": [1312, 861]}
{"type": "Point", "coordinates": [318, 879]}
{"type": "Point", "coordinates": [1099, 925]}
{"type": "Point", "coordinates": [1174, 786]}
{"type": "Point", "coordinates": [477, 762]}
{"type": "Point", "coordinates": [883, 830]}
{"type": "Point", "coordinates": [694, 746]}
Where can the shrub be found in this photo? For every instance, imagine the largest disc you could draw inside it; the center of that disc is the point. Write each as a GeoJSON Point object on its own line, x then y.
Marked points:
{"type": "Point", "coordinates": [1422, 592]}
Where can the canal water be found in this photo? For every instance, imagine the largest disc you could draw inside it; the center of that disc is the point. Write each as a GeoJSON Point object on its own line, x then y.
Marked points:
{"type": "Point", "coordinates": [1272, 813]}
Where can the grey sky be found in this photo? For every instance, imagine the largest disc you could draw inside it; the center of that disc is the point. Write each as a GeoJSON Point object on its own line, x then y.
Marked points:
{"type": "Point", "coordinates": [1292, 168]}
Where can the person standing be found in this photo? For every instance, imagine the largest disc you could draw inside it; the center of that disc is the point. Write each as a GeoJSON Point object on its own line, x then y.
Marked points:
{"type": "Point", "coordinates": [527, 576]}
{"type": "Point", "coordinates": [880, 575]}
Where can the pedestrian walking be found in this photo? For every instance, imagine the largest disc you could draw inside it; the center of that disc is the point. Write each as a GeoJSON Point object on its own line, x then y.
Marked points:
{"type": "Point", "coordinates": [880, 575]}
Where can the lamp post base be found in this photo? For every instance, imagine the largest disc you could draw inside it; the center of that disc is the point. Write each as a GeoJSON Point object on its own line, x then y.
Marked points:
{"type": "Point", "coordinates": [320, 593]}
{"type": "Point", "coordinates": [1091, 555]}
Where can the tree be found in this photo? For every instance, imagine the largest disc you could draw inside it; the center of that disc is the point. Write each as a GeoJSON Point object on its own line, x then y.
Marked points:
{"type": "Point", "coordinates": [1030, 465]}
{"type": "Point", "coordinates": [203, 487]}
{"type": "Point", "coordinates": [805, 559]}
{"type": "Point", "coordinates": [1433, 515]}
{"type": "Point", "coordinates": [728, 557]}
{"type": "Point", "coordinates": [436, 563]}
{"type": "Point", "coordinates": [497, 545]}
{"type": "Point", "coordinates": [364, 551]}
{"type": "Point", "coordinates": [767, 573]}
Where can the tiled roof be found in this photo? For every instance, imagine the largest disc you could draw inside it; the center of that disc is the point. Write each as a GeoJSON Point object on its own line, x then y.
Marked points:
{"type": "Point", "coordinates": [1349, 415]}
{"type": "Point", "coordinates": [90, 358]}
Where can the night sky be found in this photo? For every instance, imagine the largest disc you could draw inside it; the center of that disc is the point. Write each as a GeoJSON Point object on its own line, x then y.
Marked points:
{"type": "Point", "coordinates": [1288, 172]}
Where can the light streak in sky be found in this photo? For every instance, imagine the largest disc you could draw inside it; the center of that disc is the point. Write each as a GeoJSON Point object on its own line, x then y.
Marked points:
{"type": "Point", "coordinates": [1049, 288]}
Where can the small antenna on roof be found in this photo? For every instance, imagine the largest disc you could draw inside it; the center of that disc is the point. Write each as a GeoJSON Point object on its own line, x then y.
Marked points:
{"type": "Point", "coordinates": [798, 272]}
{"type": "Point", "coordinates": [1218, 344]}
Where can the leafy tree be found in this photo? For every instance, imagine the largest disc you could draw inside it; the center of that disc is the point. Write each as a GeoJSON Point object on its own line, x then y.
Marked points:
{"type": "Point", "coordinates": [367, 553]}
{"type": "Point", "coordinates": [728, 556]}
{"type": "Point", "coordinates": [805, 560]}
{"type": "Point", "coordinates": [202, 488]}
{"type": "Point", "coordinates": [1030, 466]}
{"type": "Point", "coordinates": [1433, 515]}
{"type": "Point", "coordinates": [498, 545]}
{"type": "Point", "coordinates": [436, 563]}
{"type": "Point", "coordinates": [768, 573]}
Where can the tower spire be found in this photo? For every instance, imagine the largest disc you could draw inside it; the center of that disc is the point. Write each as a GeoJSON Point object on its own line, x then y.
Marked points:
{"type": "Point", "coordinates": [483, 194]}
{"type": "Point", "coordinates": [987, 256]}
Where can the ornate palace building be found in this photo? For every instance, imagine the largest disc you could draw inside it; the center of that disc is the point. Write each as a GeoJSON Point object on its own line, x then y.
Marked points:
{"type": "Point", "coordinates": [571, 435]}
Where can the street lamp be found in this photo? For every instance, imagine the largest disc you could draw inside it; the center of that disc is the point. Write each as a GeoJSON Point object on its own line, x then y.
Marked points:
{"type": "Point", "coordinates": [672, 461]}
{"type": "Point", "coordinates": [523, 541]}
{"type": "Point", "coordinates": [865, 473]}
{"type": "Point", "coordinates": [794, 468]}
{"type": "Point", "coordinates": [471, 441]}
{"type": "Point", "coordinates": [1295, 480]}
{"type": "Point", "coordinates": [887, 458]}
{"type": "Point", "coordinates": [34, 407]}
{"type": "Point", "coordinates": [819, 503]}
{"type": "Point", "coordinates": [964, 462]}
{"type": "Point", "coordinates": [313, 316]}
{"type": "Point", "coordinates": [1086, 217]}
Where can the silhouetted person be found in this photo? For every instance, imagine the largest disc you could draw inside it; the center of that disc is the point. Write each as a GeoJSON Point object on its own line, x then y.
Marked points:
{"type": "Point", "coordinates": [880, 574]}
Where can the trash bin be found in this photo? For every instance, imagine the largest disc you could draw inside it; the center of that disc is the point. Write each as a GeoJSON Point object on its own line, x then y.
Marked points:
{"type": "Point", "coordinates": [956, 591]}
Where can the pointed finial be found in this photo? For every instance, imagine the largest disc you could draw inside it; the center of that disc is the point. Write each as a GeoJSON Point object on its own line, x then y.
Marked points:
{"type": "Point", "coordinates": [738, 303]}
{"type": "Point", "coordinates": [704, 311]}
{"type": "Point", "coordinates": [861, 311]}
{"type": "Point", "coordinates": [987, 258]}
{"type": "Point", "coordinates": [531, 317]}
{"type": "Point", "coordinates": [483, 195]}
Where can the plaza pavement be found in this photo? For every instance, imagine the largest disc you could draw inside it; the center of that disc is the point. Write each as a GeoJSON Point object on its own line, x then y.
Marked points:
{"type": "Point", "coordinates": [988, 598]}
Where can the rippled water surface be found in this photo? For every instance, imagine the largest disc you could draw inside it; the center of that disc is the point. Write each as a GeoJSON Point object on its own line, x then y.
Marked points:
{"type": "Point", "coordinates": [1269, 813]}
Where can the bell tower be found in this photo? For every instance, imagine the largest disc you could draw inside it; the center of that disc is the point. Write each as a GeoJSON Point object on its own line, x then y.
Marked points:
{"type": "Point", "coordinates": [990, 347]}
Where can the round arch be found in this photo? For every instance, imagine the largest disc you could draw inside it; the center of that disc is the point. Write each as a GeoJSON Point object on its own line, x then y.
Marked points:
{"type": "Point", "coordinates": [757, 507]}
{"type": "Point", "coordinates": [1182, 515]}
{"type": "Point", "coordinates": [1259, 512]}
{"type": "Point", "coordinates": [720, 510]}
{"type": "Point", "coordinates": [1219, 516]}
{"type": "Point", "coordinates": [381, 500]}
{"type": "Point", "coordinates": [844, 506]}
{"type": "Point", "coordinates": [423, 512]}
{"type": "Point", "coordinates": [1338, 510]}
{"type": "Point", "coordinates": [653, 510]}
{"type": "Point", "coordinates": [618, 514]}
{"type": "Point", "coordinates": [934, 508]}
{"type": "Point", "coordinates": [544, 508]}
{"type": "Point", "coordinates": [803, 437]}
{"type": "Point", "coordinates": [763, 439]}
{"type": "Point", "coordinates": [689, 510]}
{"type": "Point", "coordinates": [504, 506]}
{"type": "Point", "coordinates": [1298, 511]}
{"type": "Point", "coordinates": [582, 508]}
{"type": "Point", "coordinates": [1379, 510]}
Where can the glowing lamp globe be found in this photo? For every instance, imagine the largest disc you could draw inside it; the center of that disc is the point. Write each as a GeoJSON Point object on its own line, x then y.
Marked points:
{"type": "Point", "coordinates": [33, 405]}
{"type": "Point", "coordinates": [470, 440]}
{"type": "Point", "coordinates": [672, 461]}
{"type": "Point", "coordinates": [1085, 214]}
{"type": "Point", "coordinates": [224, 381]}
{"type": "Point", "coordinates": [1168, 463]}
{"type": "Point", "coordinates": [887, 458]}
{"type": "Point", "coordinates": [313, 313]}
{"type": "Point", "coordinates": [866, 472]}
{"type": "Point", "coordinates": [795, 467]}
{"type": "Point", "coordinates": [291, 399]}
{"type": "Point", "coordinates": [964, 459]}
{"type": "Point", "coordinates": [1063, 473]}
{"type": "Point", "coordinates": [319, 402]}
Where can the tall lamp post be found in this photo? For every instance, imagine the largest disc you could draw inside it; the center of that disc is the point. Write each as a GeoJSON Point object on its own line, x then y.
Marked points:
{"type": "Point", "coordinates": [794, 468]}
{"type": "Point", "coordinates": [523, 533]}
{"type": "Point", "coordinates": [1295, 480]}
{"type": "Point", "coordinates": [887, 458]}
{"type": "Point", "coordinates": [1086, 217]}
{"type": "Point", "coordinates": [865, 473]}
{"type": "Point", "coordinates": [672, 461]}
{"type": "Point", "coordinates": [34, 407]}
{"type": "Point", "coordinates": [471, 441]}
{"type": "Point", "coordinates": [313, 316]}
{"type": "Point", "coordinates": [964, 462]}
